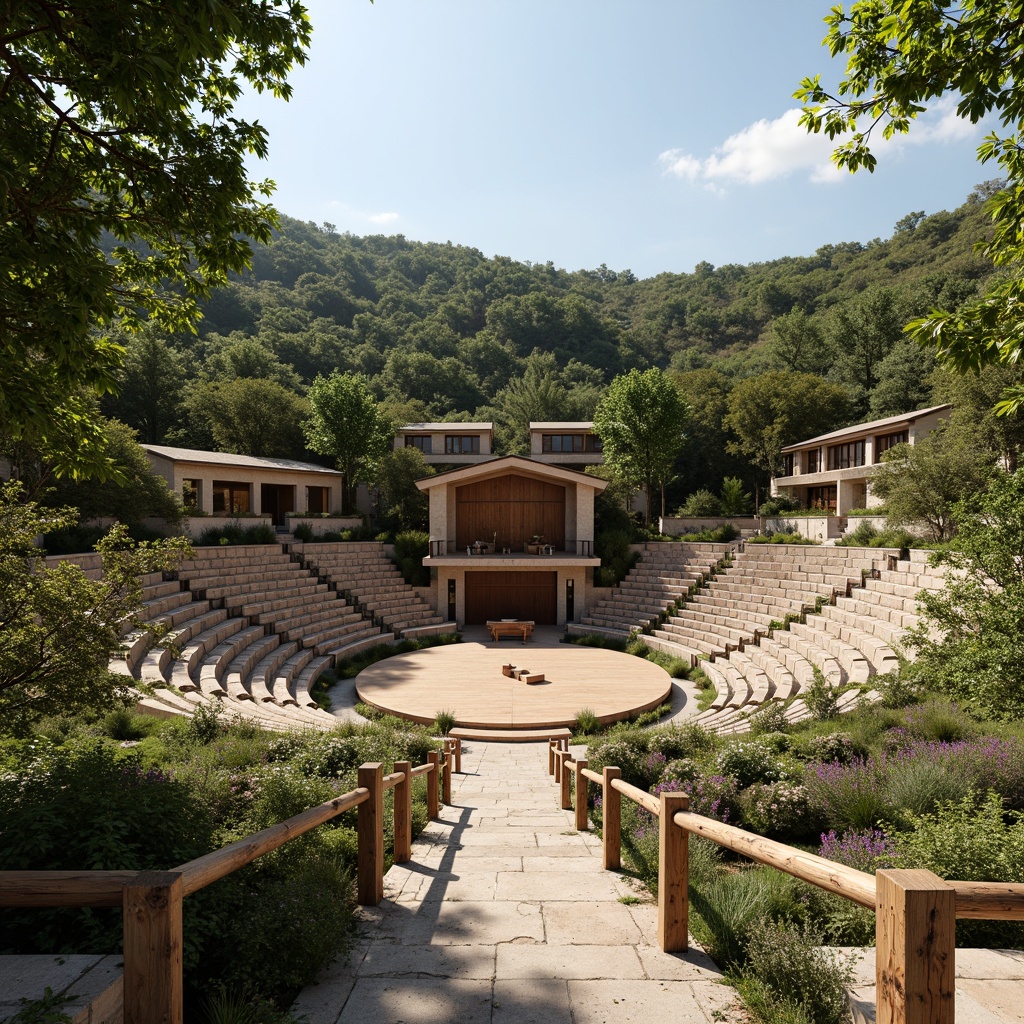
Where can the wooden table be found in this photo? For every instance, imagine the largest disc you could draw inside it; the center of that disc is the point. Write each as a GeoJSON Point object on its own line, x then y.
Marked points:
{"type": "Point", "coordinates": [521, 628]}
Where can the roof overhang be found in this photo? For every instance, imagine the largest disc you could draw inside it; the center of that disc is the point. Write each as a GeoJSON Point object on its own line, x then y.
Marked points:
{"type": "Point", "coordinates": [512, 464]}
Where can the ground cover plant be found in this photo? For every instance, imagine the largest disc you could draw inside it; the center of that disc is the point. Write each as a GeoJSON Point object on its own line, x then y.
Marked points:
{"type": "Point", "coordinates": [926, 784]}
{"type": "Point", "coordinates": [77, 794]}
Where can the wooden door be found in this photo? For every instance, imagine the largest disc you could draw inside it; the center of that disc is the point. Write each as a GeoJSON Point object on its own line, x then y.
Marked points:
{"type": "Point", "coordinates": [512, 509]}
{"type": "Point", "coordinates": [511, 595]}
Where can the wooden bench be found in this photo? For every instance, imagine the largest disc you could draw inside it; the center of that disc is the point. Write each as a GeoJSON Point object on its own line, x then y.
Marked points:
{"type": "Point", "coordinates": [499, 629]}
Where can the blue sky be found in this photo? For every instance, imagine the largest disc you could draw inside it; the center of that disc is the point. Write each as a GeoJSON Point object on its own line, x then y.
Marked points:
{"type": "Point", "coordinates": [649, 134]}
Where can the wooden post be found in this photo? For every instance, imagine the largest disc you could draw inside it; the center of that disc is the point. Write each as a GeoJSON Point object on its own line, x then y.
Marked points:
{"type": "Point", "coordinates": [558, 763]}
{"type": "Point", "coordinates": [403, 814]}
{"type": "Point", "coordinates": [432, 784]}
{"type": "Point", "coordinates": [915, 929]}
{"type": "Point", "coordinates": [370, 831]}
{"type": "Point", "coordinates": [458, 754]}
{"type": "Point", "coordinates": [446, 779]}
{"type": "Point", "coordinates": [551, 756]}
{"type": "Point", "coordinates": [152, 948]}
{"type": "Point", "coordinates": [581, 797]}
{"type": "Point", "coordinates": [565, 777]}
{"type": "Point", "coordinates": [611, 820]}
{"type": "Point", "coordinates": [673, 875]}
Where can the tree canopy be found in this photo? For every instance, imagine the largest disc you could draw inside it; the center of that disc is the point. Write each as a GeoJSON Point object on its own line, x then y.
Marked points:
{"type": "Point", "coordinates": [347, 423]}
{"type": "Point", "coordinates": [641, 421]}
{"type": "Point", "coordinates": [124, 190]}
{"type": "Point", "coordinates": [900, 57]}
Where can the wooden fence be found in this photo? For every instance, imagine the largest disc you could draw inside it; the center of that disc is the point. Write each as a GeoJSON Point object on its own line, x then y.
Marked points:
{"type": "Point", "coordinates": [916, 911]}
{"type": "Point", "coordinates": [151, 901]}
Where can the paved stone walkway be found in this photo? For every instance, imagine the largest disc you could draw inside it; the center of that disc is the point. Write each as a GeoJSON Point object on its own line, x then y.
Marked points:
{"type": "Point", "coordinates": [505, 916]}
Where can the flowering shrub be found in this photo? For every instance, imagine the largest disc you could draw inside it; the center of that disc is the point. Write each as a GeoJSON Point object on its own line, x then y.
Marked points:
{"type": "Point", "coordinates": [749, 762]}
{"type": "Point", "coordinates": [835, 746]}
{"type": "Point", "coordinates": [683, 769]}
{"type": "Point", "coordinates": [780, 810]}
{"type": "Point", "coordinates": [714, 796]}
{"type": "Point", "coordinates": [671, 742]}
{"type": "Point", "coordinates": [865, 849]}
{"type": "Point", "coordinates": [631, 757]}
{"type": "Point", "coordinates": [770, 717]}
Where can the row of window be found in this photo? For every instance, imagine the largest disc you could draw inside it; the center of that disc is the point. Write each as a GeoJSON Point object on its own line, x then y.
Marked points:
{"type": "Point", "coordinates": [235, 499]}
{"type": "Point", "coordinates": [454, 444]}
{"type": "Point", "coordinates": [571, 443]}
{"type": "Point", "coordinates": [843, 456]}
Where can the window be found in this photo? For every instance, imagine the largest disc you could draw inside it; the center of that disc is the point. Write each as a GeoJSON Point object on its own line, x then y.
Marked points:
{"type": "Point", "coordinates": [822, 497]}
{"type": "Point", "coordinates": [190, 495]}
{"type": "Point", "coordinates": [421, 441]}
{"type": "Point", "coordinates": [787, 464]}
{"type": "Point", "coordinates": [887, 441]}
{"type": "Point", "coordinates": [560, 443]}
{"type": "Point", "coordinates": [814, 460]}
{"type": "Point", "coordinates": [318, 500]}
{"type": "Point", "coordinates": [843, 456]}
{"type": "Point", "coordinates": [462, 444]}
{"type": "Point", "coordinates": [230, 499]}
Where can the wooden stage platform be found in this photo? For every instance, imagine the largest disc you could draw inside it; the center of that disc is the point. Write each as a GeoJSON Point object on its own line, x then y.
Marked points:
{"type": "Point", "coordinates": [467, 680]}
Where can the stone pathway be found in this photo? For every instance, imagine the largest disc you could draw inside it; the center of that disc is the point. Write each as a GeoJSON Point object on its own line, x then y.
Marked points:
{"type": "Point", "coordinates": [505, 916]}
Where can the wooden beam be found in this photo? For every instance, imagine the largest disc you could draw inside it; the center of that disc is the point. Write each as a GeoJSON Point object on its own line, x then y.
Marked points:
{"type": "Point", "coordinates": [915, 968]}
{"type": "Point", "coordinates": [370, 831]}
{"type": "Point", "coordinates": [581, 797]}
{"type": "Point", "coordinates": [673, 875]}
{"type": "Point", "coordinates": [611, 820]}
{"type": "Point", "coordinates": [433, 801]}
{"type": "Point", "coordinates": [152, 948]}
{"type": "Point", "coordinates": [403, 813]}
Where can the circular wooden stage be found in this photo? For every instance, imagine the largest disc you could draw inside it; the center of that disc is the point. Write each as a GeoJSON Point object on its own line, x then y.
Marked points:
{"type": "Point", "coordinates": [467, 680]}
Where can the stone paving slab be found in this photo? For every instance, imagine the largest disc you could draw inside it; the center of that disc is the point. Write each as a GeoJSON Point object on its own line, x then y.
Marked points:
{"type": "Point", "coordinates": [80, 977]}
{"type": "Point", "coordinates": [505, 915]}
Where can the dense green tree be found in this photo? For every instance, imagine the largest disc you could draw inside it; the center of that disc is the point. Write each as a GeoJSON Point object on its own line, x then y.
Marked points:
{"type": "Point", "coordinates": [904, 380]}
{"type": "Point", "coordinates": [347, 423]}
{"type": "Point", "coordinates": [136, 493]}
{"type": "Point", "coordinates": [59, 629]}
{"type": "Point", "coordinates": [901, 56]}
{"type": "Point", "coordinates": [922, 483]}
{"type": "Point", "coordinates": [768, 412]}
{"type": "Point", "coordinates": [402, 505]}
{"type": "Point", "coordinates": [241, 356]}
{"type": "Point", "coordinates": [642, 419]}
{"type": "Point", "coordinates": [150, 386]}
{"type": "Point", "coordinates": [970, 641]}
{"type": "Point", "coordinates": [796, 341]}
{"type": "Point", "coordinates": [146, 149]}
{"type": "Point", "coordinates": [252, 416]}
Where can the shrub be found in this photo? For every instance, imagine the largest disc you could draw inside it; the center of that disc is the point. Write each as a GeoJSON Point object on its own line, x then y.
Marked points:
{"type": "Point", "coordinates": [833, 747]}
{"type": "Point", "coordinates": [122, 724]}
{"type": "Point", "coordinates": [786, 965]}
{"type": "Point", "coordinates": [863, 849]}
{"type": "Point", "coordinates": [411, 547]}
{"type": "Point", "coordinates": [678, 773]}
{"type": "Point", "coordinates": [821, 698]}
{"type": "Point", "coordinates": [303, 532]}
{"type": "Point", "coordinates": [849, 796]}
{"type": "Point", "coordinates": [781, 538]}
{"type": "Point", "coordinates": [586, 723]}
{"type": "Point", "coordinates": [444, 722]}
{"type": "Point", "coordinates": [235, 533]}
{"type": "Point", "coordinates": [778, 506]}
{"type": "Point", "coordinates": [735, 500]}
{"type": "Point", "coordinates": [629, 755]}
{"type": "Point", "coordinates": [750, 761]}
{"type": "Point", "coordinates": [613, 548]}
{"type": "Point", "coordinates": [779, 810]}
{"type": "Point", "coordinates": [770, 717]}
{"type": "Point", "coordinates": [672, 741]}
{"type": "Point", "coordinates": [701, 504]}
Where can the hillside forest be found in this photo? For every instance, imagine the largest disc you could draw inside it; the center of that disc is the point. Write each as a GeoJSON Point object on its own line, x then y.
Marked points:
{"type": "Point", "coordinates": [798, 345]}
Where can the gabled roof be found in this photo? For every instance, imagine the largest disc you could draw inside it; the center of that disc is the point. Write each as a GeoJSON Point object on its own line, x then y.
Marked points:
{"type": "Point", "coordinates": [227, 459]}
{"type": "Point", "coordinates": [904, 419]}
{"type": "Point", "coordinates": [508, 463]}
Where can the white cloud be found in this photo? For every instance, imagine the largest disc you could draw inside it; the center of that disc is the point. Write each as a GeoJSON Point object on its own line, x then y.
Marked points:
{"type": "Point", "coordinates": [768, 150]}
{"type": "Point", "coordinates": [357, 216]}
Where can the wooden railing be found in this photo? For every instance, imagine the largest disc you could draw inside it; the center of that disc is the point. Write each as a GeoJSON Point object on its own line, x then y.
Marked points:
{"type": "Point", "coordinates": [151, 901]}
{"type": "Point", "coordinates": [916, 911]}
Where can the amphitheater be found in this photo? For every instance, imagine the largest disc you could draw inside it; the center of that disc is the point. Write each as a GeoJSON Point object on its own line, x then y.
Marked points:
{"type": "Point", "coordinates": [249, 630]}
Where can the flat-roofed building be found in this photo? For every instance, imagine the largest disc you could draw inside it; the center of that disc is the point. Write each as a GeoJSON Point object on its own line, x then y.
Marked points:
{"type": "Point", "coordinates": [566, 444]}
{"type": "Point", "coordinates": [449, 444]}
{"type": "Point", "coordinates": [833, 471]}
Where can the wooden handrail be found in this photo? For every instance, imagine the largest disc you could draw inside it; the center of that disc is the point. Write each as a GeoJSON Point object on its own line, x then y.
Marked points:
{"type": "Point", "coordinates": [857, 886]}
{"type": "Point", "coordinates": [211, 867]}
{"type": "Point", "coordinates": [593, 776]}
{"type": "Point", "coordinates": [392, 780]}
{"type": "Point", "coordinates": [989, 901]}
{"type": "Point", "coordinates": [648, 801]}
{"type": "Point", "coordinates": [63, 888]}
{"type": "Point", "coordinates": [421, 770]}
